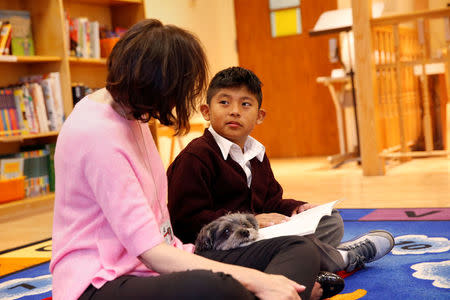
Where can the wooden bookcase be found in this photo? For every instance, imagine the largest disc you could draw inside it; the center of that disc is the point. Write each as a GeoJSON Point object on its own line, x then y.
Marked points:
{"type": "Point", "coordinates": [52, 54]}
{"type": "Point", "coordinates": [112, 13]}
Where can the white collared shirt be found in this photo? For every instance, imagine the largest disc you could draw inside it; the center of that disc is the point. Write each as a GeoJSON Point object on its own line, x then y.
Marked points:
{"type": "Point", "coordinates": [252, 148]}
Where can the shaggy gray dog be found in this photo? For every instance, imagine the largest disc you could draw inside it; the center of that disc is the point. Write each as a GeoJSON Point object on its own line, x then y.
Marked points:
{"type": "Point", "coordinates": [227, 232]}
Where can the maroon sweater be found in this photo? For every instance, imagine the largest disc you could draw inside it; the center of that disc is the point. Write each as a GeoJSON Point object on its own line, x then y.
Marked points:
{"type": "Point", "coordinates": [203, 186]}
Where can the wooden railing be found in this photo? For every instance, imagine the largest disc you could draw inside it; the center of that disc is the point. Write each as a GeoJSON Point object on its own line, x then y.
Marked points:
{"type": "Point", "coordinates": [397, 99]}
{"type": "Point", "coordinates": [404, 108]}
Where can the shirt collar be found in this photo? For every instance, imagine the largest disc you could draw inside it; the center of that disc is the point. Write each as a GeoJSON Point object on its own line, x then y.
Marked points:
{"type": "Point", "coordinates": [251, 146]}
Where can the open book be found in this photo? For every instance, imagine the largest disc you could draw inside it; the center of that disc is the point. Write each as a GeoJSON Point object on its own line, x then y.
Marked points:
{"type": "Point", "coordinates": [301, 224]}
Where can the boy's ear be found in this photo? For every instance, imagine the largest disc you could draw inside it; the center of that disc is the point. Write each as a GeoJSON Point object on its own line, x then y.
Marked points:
{"type": "Point", "coordinates": [204, 109]}
{"type": "Point", "coordinates": [261, 116]}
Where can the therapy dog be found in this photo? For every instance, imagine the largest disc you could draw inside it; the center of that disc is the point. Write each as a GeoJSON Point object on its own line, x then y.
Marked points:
{"type": "Point", "coordinates": [227, 232]}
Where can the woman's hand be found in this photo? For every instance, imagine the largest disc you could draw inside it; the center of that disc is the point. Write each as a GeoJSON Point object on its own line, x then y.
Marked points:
{"type": "Point", "coordinates": [268, 286]}
{"type": "Point", "coordinates": [266, 220]}
{"type": "Point", "coordinates": [302, 208]}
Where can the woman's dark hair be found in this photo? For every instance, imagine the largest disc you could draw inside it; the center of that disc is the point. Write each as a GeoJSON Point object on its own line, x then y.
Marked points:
{"type": "Point", "coordinates": [235, 77]}
{"type": "Point", "coordinates": [155, 68]}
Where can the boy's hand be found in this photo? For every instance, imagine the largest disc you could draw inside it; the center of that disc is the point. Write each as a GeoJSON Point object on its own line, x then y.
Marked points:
{"type": "Point", "coordinates": [266, 220]}
{"type": "Point", "coordinates": [302, 208]}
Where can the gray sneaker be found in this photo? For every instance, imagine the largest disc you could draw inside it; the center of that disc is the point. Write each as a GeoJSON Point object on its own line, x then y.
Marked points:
{"type": "Point", "coordinates": [367, 248]}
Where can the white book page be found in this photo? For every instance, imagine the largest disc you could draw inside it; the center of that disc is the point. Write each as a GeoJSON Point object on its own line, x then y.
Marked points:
{"type": "Point", "coordinates": [301, 224]}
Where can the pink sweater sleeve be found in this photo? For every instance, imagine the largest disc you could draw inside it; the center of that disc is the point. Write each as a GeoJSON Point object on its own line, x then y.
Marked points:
{"type": "Point", "coordinates": [119, 194]}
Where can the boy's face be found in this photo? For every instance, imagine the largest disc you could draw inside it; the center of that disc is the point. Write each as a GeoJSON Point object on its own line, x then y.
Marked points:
{"type": "Point", "coordinates": [233, 113]}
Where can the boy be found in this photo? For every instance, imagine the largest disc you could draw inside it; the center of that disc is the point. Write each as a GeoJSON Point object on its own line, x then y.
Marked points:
{"type": "Point", "coordinates": [226, 170]}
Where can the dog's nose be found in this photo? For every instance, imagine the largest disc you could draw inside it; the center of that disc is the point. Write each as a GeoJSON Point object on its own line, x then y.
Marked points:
{"type": "Point", "coordinates": [245, 233]}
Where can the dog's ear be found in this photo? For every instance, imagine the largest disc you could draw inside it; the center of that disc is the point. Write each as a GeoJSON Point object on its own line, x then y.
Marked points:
{"type": "Point", "coordinates": [251, 218]}
{"type": "Point", "coordinates": [205, 238]}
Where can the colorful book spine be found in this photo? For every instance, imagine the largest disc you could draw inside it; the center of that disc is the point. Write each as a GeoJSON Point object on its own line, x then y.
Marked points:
{"type": "Point", "coordinates": [5, 114]}
{"type": "Point", "coordinates": [39, 105]}
{"type": "Point", "coordinates": [59, 105]}
{"type": "Point", "coordinates": [49, 103]}
{"type": "Point", "coordinates": [22, 116]}
{"type": "Point", "coordinates": [36, 170]}
{"type": "Point", "coordinates": [51, 165]}
{"type": "Point", "coordinates": [3, 127]}
{"type": "Point", "coordinates": [29, 109]}
{"type": "Point", "coordinates": [5, 32]}
{"type": "Point", "coordinates": [95, 39]}
{"type": "Point", "coordinates": [12, 112]}
{"type": "Point", "coordinates": [21, 33]}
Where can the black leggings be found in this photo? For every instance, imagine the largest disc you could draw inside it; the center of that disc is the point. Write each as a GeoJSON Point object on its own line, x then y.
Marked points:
{"type": "Point", "coordinates": [195, 285]}
{"type": "Point", "coordinates": [292, 256]}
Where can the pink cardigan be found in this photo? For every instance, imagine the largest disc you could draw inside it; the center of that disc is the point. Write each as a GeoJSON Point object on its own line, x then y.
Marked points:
{"type": "Point", "coordinates": [106, 204]}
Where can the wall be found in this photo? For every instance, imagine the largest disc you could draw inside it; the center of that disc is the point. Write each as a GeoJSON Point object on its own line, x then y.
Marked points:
{"type": "Point", "coordinates": [212, 21]}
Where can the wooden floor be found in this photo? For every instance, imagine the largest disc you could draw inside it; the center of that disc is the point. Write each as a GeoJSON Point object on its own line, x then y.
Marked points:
{"type": "Point", "coordinates": [417, 183]}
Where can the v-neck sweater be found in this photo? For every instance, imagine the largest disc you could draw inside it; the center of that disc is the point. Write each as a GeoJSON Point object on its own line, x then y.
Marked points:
{"type": "Point", "coordinates": [202, 186]}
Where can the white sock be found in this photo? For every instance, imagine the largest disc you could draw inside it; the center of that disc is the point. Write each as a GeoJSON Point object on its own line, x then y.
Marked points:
{"type": "Point", "coordinates": [344, 256]}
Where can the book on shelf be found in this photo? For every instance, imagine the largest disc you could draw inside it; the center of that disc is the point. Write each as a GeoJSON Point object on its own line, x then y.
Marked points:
{"type": "Point", "coordinates": [48, 93]}
{"type": "Point", "coordinates": [79, 91]}
{"type": "Point", "coordinates": [35, 164]}
{"type": "Point", "coordinates": [3, 125]}
{"type": "Point", "coordinates": [55, 83]}
{"type": "Point", "coordinates": [21, 39]}
{"type": "Point", "coordinates": [8, 113]}
{"type": "Point", "coordinates": [36, 172]}
{"type": "Point", "coordinates": [38, 100]}
{"type": "Point", "coordinates": [51, 165]}
{"type": "Point", "coordinates": [12, 111]}
{"type": "Point", "coordinates": [95, 39]}
{"type": "Point", "coordinates": [21, 110]}
{"type": "Point", "coordinates": [5, 32]}
{"type": "Point", "coordinates": [36, 160]}
{"type": "Point", "coordinates": [83, 37]}
{"type": "Point", "coordinates": [11, 168]}
{"type": "Point", "coordinates": [34, 106]}
{"type": "Point", "coordinates": [7, 49]}
{"type": "Point", "coordinates": [30, 110]}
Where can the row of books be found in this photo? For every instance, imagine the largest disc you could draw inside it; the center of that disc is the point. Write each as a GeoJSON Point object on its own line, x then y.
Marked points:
{"type": "Point", "coordinates": [36, 165]}
{"type": "Point", "coordinates": [89, 39]}
{"type": "Point", "coordinates": [80, 90]}
{"type": "Point", "coordinates": [84, 37]}
{"type": "Point", "coordinates": [34, 106]}
{"type": "Point", "coordinates": [15, 33]}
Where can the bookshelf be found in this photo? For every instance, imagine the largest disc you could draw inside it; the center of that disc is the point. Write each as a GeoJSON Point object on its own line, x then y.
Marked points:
{"type": "Point", "coordinates": [52, 55]}
{"type": "Point", "coordinates": [87, 61]}
{"type": "Point", "coordinates": [110, 13]}
{"type": "Point", "coordinates": [28, 59]}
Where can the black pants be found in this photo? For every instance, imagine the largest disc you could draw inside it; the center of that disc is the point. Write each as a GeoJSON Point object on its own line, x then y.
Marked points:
{"type": "Point", "coordinates": [195, 285]}
{"type": "Point", "coordinates": [292, 256]}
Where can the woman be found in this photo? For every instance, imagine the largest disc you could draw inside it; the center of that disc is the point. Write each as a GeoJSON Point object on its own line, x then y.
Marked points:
{"type": "Point", "coordinates": [112, 237]}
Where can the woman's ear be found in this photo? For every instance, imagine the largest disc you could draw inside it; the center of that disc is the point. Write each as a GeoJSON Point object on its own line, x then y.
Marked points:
{"type": "Point", "coordinates": [261, 116]}
{"type": "Point", "coordinates": [204, 109]}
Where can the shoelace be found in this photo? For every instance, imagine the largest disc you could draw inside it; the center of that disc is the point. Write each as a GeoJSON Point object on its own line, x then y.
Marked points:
{"type": "Point", "coordinates": [364, 251]}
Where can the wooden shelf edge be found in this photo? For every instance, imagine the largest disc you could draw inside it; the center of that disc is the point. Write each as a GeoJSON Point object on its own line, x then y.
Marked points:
{"type": "Point", "coordinates": [410, 17]}
{"type": "Point", "coordinates": [111, 2]}
{"type": "Point", "coordinates": [22, 137]}
{"type": "Point", "coordinates": [93, 61]}
{"type": "Point", "coordinates": [27, 206]}
{"type": "Point", "coordinates": [28, 59]}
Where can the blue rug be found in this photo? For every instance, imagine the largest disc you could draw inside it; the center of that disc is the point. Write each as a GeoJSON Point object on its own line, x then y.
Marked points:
{"type": "Point", "coordinates": [417, 268]}
{"type": "Point", "coordinates": [419, 265]}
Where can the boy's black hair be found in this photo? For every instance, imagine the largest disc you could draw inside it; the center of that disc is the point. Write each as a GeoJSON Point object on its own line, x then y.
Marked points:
{"type": "Point", "coordinates": [232, 78]}
{"type": "Point", "coordinates": [155, 68]}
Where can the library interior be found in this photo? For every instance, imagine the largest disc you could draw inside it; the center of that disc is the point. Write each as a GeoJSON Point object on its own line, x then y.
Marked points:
{"type": "Point", "coordinates": [356, 94]}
